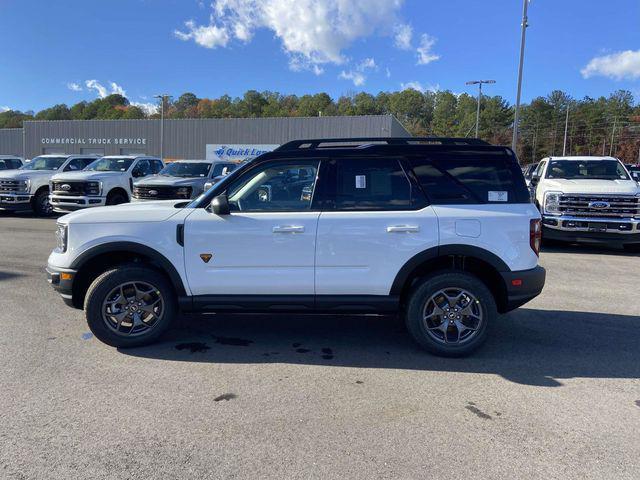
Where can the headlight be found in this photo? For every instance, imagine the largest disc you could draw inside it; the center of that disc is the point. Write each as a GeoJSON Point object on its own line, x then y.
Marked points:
{"type": "Point", "coordinates": [552, 203]}
{"type": "Point", "coordinates": [25, 185]}
{"type": "Point", "coordinates": [61, 237]}
{"type": "Point", "coordinates": [94, 188]}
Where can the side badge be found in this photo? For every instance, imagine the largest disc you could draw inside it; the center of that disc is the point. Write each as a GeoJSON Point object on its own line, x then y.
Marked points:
{"type": "Point", "coordinates": [206, 257]}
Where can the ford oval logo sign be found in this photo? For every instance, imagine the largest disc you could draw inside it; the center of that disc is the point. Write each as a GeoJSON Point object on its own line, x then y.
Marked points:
{"type": "Point", "coordinates": [65, 187]}
{"type": "Point", "coordinates": [599, 205]}
{"type": "Point", "coordinates": [153, 192]}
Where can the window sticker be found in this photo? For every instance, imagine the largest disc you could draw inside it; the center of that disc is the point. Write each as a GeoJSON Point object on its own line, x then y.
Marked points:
{"type": "Point", "coordinates": [498, 196]}
{"type": "Point", "coordinates": [361, 181]}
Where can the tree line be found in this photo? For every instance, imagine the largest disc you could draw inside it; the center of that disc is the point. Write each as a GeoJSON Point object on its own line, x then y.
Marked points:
{"type": "Point", "coordinates": [594, 126]}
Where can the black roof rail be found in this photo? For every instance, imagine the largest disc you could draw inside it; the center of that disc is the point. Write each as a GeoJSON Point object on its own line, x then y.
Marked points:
{"type": "Point", "coordinates": [365, 142]}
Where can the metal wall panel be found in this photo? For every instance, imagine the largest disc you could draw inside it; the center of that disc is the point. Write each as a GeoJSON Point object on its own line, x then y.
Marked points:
{"type": "Point", "coordinates": [11, 141]}
{"type": "Point", "coordinates": [187, 138]}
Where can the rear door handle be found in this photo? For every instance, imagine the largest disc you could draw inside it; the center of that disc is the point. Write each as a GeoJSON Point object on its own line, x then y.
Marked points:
{"type": "Point", "coordinates": [288, 229]}
{"type": "Point", "coordinates": [403, 229]}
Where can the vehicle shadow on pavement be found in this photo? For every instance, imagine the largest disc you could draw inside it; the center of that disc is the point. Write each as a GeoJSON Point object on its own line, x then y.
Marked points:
{"type": "Point", "coordinates": [588, 249]}
{"type": "Point", "coordinates": [528, 346]}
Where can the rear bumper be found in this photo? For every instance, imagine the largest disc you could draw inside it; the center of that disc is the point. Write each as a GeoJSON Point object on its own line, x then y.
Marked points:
{"type": "Point", "coordinates": [522, 286]}
{"type": "Point", "coordinates": [64, 203]}
{"type": "Point", "coordinates": [61, 279]}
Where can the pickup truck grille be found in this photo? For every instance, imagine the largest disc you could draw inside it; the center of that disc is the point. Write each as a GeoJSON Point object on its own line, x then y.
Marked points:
{"type": "Point", "coordinates": [60, 187]}
{"type": "Point", "coordinates": [160, 192]}
{"type": "Point", "coordinates": [10, 186]}
{"type": "Point", "coordinates": [600, 206]}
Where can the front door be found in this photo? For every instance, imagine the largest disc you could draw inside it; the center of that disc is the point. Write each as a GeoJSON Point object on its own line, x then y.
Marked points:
{"type": "Point", "coordinates": [266, 245]}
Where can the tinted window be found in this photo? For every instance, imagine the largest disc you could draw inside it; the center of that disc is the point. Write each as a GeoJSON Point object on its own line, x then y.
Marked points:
{"type": "Point", "coordinates": [186, 169]}
{"type": "Point", "coordinates": [587, 170]}
{"type": "Point", "coordinates": [285, 187]}
{"type": "Point", "coordinates": [222, 169]}
{"type": "Point", "coordinates": [371, 184]}
{"type": "Point", "coordinates": [471, 177]}
{"type": "Point", "coordinates": [78, 164]}
{"type": "Point", "coordinates": [157, 166]}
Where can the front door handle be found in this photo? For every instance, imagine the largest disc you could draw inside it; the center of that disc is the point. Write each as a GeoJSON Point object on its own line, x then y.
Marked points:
{"type": "Point", "coordinates": [288, 229]}
{"type": "Point", "coordinates": [403, 229]}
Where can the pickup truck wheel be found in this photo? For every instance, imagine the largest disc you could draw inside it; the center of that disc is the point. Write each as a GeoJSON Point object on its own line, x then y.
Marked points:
{"type": "Point", "coordinates": [116, 199]}
{"type": "Point", "coordinates": [41, 205]}
{"type": "Point", "coordinates": [130, 306]}
{"type": "Point", "coordinates": [448, 313]}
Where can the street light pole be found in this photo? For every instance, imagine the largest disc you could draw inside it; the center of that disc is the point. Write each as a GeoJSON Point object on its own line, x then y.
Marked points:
{"type": "Point", "coordinates": [566, 128]}
{"type": "Point", "coordinates": [525, 24]}
{"type": "Point", "coordinates": [163, 98]}
{"type": "Point", "coordinates": [479, 83]}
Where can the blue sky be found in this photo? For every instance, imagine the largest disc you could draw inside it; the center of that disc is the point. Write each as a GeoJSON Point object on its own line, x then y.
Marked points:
{"type": "Point", "coordinates": [144, 47]}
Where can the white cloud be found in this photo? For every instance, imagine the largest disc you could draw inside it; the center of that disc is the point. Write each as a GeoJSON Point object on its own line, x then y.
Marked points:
{"type": "Point", "coordinates": [419, 87]}
{"type": "Point", "coordinates": [388, 72]}
{"type": "Point", "coordinates": [312, 32]}
{"type": "Point", "coordinates": [147, 108]}
{"type": "Point", "coordinates": [618, 66]}
{"type": "Point", "coordinates": [357, 74]}
{"type": "Point", "coordinates": [209, 36]}
{"type": "Point", "coordinates": [4, 108]}
{"type": "Point", "coordinates": [403, 34]}
{"type": "Point", "coordinates": [75, 87]}
{"type": "Point", "coordinates": [425, 55]}
{"type": "Point", "coordinates": [103, 91]}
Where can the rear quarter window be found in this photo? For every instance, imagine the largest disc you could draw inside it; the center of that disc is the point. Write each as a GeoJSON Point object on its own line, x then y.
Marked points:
{"type": "Point", "coordinates": [471, 177]}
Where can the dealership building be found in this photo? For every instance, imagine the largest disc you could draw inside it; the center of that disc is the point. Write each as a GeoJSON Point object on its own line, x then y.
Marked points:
{"type": "Point", "coordinates": [211, 138]}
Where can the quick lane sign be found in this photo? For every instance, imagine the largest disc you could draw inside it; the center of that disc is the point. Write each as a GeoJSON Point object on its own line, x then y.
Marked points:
{"type": "Point", "coordinates": [237, 152]}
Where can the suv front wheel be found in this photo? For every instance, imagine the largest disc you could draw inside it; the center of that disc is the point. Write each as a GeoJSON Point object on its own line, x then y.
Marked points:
{"type": "Point", "coordinates": [130, 306]}
{"type": "Point", "coordinates": [448, 313]}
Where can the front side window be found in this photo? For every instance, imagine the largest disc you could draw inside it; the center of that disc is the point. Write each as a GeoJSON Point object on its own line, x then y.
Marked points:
{"type": "Point", "coordinates": [280, 187]}
{"type": "Point", "coordinates": [78, 164]}
{"type": "Point", "coordinates": [105, 164]}
{"type": "Point", "coordinates": [44, 163]}
{"type": "Point", "coordinates": [186, 169]}
{"type": "Point", "coordinates": [371, 184]}
{"type": "Point", "coordinates": [587, 170]}
{"type": "Point", "coordinates": [222, 169]}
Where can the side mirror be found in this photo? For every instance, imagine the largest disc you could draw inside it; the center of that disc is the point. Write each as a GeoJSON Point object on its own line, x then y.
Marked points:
{"type": "Point", "coordinates": [220, 205]}
{"type": "Point", "coordinates": [535, 179]}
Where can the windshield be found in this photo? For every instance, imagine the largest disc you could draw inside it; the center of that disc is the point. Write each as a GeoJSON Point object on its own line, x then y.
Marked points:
{"type": "Point", "coordinates": [44, 163]}
{"type": "Point", "coordinates": [110, 165]}
{"type": "Point", "coordinates": [587, 170]}
{"type": "Point", "coordinates": [186, 169]}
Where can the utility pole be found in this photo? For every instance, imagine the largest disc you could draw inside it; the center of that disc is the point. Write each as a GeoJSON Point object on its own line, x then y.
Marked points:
{"type": "Point", "coordinates": [479, 83]}
{"type": "Point", "coordinates": [514, 142]}
{"type": "Point", "coordinates": [566, 128]}
{"type": "Point", "coordinates": [613, 132]}
{"type": "Point", "coordinates": [163, 98]}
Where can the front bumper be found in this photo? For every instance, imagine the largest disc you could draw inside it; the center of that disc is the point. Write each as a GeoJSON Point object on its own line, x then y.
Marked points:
{"type": "Point", "coordinates": [522, 286]}
{"type": "Point", "coordinates": [61, 279]}
{"type": "Point", "coordinates": [65, 203]}
{"type": "Point", "coordinates": [591, 230]}
{"type": "Point", "coordinates": [15, 201]}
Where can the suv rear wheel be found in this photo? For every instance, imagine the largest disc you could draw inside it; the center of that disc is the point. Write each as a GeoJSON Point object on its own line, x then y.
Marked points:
{"type": "Point", "coordinates": [130, 306]}
{"type": "Point", "coordinates": [448, 313]}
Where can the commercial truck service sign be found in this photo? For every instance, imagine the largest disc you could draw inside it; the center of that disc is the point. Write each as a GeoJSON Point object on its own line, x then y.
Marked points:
{"type": "Point", "coordinates": [236, 153]}
{"type": "Point", "coordinates": [94, 141]}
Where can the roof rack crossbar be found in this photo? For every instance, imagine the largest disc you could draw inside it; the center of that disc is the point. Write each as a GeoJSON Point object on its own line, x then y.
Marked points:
{"type": "Point", "coordinates": [366, 142]}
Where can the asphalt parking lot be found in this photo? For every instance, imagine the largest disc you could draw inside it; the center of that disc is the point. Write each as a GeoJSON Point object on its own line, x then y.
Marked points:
{"type": "Point", "coordinates": [555, 393]}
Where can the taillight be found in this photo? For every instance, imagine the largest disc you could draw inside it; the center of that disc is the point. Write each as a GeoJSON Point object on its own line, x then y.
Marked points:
{"type": "Point", "coordinates": [535, 235]}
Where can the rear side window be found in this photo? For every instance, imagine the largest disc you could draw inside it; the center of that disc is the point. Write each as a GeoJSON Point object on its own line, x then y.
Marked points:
{"type": "Point", "coordinates": [471, 177]}
{"type": "Point", "coordinates": [371, 184]}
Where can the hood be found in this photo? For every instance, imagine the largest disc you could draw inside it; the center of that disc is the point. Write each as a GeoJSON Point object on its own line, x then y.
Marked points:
{"type": "Point", "coordinates": [125, 213]}
{"type": "Point", "coordinates": [623, 187]}
{"type": "Point", "coordinates": [162, 180]}
{"type": "Point", "coordinates": [24, 174]}
{"type": "Point", "coordinates": [87, 176]}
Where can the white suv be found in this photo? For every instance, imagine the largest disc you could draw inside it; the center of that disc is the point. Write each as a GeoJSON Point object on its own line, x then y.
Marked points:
{"type": "Point", "coordinates": [27, 188]}
{"type": "Point", "coordinates": [587, 199]}
{"type": "Point", "coordinates": [107, 181]}
{"type": "Point", "coordinates": [442, 231]}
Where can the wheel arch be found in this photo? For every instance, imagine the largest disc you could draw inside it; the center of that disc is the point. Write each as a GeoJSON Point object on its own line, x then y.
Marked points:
{"type": "Point", "coordinates": [99, 258]}
{"type": "Point", "coordinates": [121, 190]}
{"type": "Point", "coordinates": [466, 258]}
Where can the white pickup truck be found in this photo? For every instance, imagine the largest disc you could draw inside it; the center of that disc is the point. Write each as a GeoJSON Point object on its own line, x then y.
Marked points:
{"type": "Point", "coordinates": [587, 199]}
{"type": "Point", "coordinates": [107, 181]}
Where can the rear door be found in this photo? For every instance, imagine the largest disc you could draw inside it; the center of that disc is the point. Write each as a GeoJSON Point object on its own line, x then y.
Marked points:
{"type": "Point", "coordinates": [375, 219]}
